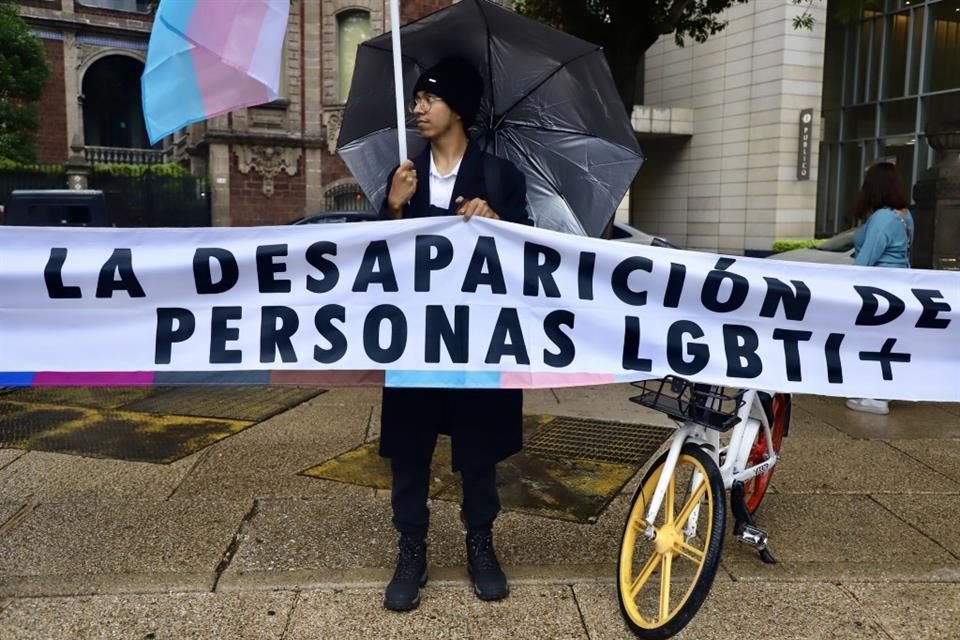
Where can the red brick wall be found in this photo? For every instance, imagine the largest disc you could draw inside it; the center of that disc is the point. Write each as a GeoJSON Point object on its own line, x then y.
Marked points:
{"type": "Point", "coordinates": [249, 206]}
{"type": "Point", "coordinates": [411, 10]}
{"type": "Point", "coordinates": [333, 168]}
{"type": "Point", "coordinates": [52, 143]}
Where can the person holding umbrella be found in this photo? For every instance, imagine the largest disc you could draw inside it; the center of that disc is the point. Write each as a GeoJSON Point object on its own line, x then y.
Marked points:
{"type": "Point", "coordinates": [452, 176]}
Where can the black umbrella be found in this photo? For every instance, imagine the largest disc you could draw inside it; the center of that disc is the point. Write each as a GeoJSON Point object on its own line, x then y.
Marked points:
{"type": "Point", "coordinates": [549, 105]}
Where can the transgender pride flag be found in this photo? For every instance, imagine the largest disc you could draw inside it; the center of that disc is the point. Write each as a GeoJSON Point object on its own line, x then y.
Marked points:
{"type": "Point", "coordinates": [207, 57]}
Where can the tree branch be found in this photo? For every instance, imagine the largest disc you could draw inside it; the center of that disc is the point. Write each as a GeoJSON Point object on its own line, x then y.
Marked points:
{"type": "Point", "coordinates": [669, 25]}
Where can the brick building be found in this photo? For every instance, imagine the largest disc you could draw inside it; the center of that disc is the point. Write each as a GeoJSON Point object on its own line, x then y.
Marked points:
{"type": "Point", "coordinates": [763, 132]}
{"type": "Point", "coordinates": [267, 164]}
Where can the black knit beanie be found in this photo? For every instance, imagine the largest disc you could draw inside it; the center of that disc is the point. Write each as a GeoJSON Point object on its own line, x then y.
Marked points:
{"type": "Point", "coordinates": [456, 81]}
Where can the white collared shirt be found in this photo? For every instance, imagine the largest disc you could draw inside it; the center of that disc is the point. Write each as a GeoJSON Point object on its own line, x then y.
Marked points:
{"type": "Point", "coordinates": [441, 187]}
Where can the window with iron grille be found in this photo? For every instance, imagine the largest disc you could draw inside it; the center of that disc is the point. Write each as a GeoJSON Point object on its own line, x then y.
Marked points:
{"type": "Point", "coordinates": [346, 197]}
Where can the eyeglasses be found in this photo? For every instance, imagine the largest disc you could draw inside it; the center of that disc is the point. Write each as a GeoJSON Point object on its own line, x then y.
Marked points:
{"type": "Point", "coordinates": [424, 102]}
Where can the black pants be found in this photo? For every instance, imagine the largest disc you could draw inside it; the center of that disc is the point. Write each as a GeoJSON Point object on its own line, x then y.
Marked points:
{"type": "Point", "coordinates": [411, 487]}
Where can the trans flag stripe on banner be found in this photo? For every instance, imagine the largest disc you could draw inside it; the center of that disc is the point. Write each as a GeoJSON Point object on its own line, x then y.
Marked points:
{"type": "Point", "coordinates": [208, 57]}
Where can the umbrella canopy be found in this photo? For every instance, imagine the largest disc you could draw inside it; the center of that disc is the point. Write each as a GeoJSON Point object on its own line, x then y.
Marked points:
{"type": "Point", "coordinates": [549, 105]}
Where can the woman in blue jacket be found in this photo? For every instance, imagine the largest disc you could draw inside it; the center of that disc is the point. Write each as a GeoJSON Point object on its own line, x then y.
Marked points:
{"type": "Point", "coordinates": [883, 240]}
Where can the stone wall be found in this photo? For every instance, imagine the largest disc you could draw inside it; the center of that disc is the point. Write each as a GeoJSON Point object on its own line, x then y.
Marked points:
{"type": "Point", "coordinates": [411, 10]}
{"type": "Point", "coordinates": [249, 203]}
{"type": "Point", "coordinates": [732, 186]}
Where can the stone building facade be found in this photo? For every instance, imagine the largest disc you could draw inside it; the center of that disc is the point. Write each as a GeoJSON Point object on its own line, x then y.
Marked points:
{"type": "Point", "coordinates": [721, 125]}
{"type": "Point", "coordinates": [267, 164]}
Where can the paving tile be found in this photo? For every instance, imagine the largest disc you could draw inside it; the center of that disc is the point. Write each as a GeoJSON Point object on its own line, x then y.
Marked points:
{"type": "Point", "coordinates": [349, 397]}
{"type": "Point", "coordinates": [934, 515]}
{"type": "Point", "coordinates": [348, 527]}
{"type": "Point", "coordinates": [850, 531]}
{"type": "Point", "coordinates": [46, 477]}
{"type": "Point", "coordinates": [9, 455]}
{"type": "Point", "coordinates": [531, 612]}
{"type": "Point", "coordinates": [906, 420]}
{"type": "Point", "coordinates": [10, 509]}
{"type": "Point", "coordinates": [912, 611]}
{"type": "Point", "coordinates": [82, 546]}
{"type": "Point", "coordinates": [244, 616]}
{"type": "Point", "coordinates": [832, 465]}
{"type": "Point", "coordinates": [942, 455]}
{"type": "Point", "coordinates": [804, 424]}
{"type": "Point", "coordinates": [952, 408]}
{"type": "Point", "coordinates": [247, 471]}
{"type": "Point", "coordinates": [607, 402]}
{"type": "Point", "coordinates": [310, 423]}
{"type": "Point", "coordinates": [540, 401]}
{"type": "Point", "coordinates": [778, 611]}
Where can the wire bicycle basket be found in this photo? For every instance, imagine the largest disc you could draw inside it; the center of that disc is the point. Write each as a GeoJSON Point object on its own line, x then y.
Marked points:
{"type": "Point", "coordinates": [681, 399]}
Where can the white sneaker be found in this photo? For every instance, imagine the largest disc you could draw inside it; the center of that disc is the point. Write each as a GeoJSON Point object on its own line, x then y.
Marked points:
{"type": "Point", "coordinates": [868, 405]}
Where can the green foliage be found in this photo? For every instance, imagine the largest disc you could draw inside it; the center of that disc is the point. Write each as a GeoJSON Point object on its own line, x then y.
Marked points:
{"type": "Point", "coordinates": [137, 170]}
{"type": "Point", "coordinates": [782, 245]}
{"type": "Point", "coordinates": [10, 166]}
{"type": "Point", "coordinates": [120, 170]}
{"type": "Point", "coordinates": [627, 28]}
{"type": "Point", "coordinates": [842, 10]}
{"type": "Point", "coordinates": [23, 72]}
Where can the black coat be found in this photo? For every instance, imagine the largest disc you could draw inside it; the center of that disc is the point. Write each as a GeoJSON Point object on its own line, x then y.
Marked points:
{"type": "Point", "coordinates": [485, 425]}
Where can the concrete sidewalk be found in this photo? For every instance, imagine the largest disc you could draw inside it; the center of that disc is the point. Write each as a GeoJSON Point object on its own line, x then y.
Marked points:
{"type": "Point", "coordinates": [232, 542]}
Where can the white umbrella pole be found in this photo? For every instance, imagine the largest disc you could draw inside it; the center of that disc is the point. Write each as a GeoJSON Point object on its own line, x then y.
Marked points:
{"type": "Point", "coordinates": [398, 78]}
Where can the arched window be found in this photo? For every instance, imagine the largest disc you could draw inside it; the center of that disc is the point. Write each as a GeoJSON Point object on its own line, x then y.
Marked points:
{"type": "Point", "coordinates": [353, 27]}
{"type": "Point", "coordinates": [112, 112]}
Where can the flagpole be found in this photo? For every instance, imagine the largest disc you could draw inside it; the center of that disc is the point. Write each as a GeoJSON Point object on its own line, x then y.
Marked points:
{"type": "Point", "coordinates": [398, 77]}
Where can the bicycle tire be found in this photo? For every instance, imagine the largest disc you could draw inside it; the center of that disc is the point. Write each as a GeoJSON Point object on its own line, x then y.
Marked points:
{"type": "Point", "coordinates": [712, 517]}
{"type": "Point", "coordinates": [778, 408]}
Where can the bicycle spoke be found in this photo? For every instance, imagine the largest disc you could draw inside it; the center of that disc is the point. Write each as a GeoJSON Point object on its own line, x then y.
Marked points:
{"type": "Point", "coordinates": [689, 552]}
{"type": "Point", "coordinates": [652, 563]}
{"type": "Point", "coordinates": [691, 503]}
{"type": "Point", "coordinates": [665, 586]}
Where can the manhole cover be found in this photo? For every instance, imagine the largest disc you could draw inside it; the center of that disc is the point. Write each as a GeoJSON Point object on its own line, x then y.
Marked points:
{"type": "Point", "coordinates": [147, 424]}
{"type": "Point", "coordinates": [603, 440]}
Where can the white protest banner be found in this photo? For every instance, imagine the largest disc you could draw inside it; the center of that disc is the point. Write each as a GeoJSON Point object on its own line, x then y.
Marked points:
{"type": "Point", "coordinates": [443, 302]}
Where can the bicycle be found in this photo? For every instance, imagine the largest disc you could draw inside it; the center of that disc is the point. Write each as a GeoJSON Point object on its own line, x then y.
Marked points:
{"type": "Point", "coordinates": [673, 536]}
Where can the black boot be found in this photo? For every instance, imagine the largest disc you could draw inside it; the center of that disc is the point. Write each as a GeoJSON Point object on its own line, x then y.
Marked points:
{"type": "Point", "coordinates": [403, 592]}
{"type": "Point", "coordinates": [489, 583]}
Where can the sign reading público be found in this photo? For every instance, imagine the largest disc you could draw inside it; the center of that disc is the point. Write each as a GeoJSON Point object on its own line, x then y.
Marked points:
{"type": "Point", "coordinates": [804, 144]}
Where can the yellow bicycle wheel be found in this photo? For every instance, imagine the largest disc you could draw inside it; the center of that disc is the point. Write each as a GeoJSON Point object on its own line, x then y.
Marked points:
{"type": "Point", "coordinates": [662, 582]}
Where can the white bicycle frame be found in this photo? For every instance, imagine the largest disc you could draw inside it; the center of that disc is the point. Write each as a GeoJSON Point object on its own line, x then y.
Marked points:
{"type": "Point", "coordinates": [736, 455]}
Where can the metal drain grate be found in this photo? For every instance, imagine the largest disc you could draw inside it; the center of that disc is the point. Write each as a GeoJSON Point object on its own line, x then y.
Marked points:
{"type": "Point", "coordinates": [236, 403]}
{"type": "Point", "coordinates": [603, 440]}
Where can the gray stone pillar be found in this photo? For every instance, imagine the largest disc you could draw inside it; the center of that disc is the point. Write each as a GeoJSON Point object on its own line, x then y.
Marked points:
{"type": "Point", "coordinates": [77, 167]}
{"type": "Point", "coordinates": [937, 209]}
{"type": "Point", "coordinates": [220, 187]}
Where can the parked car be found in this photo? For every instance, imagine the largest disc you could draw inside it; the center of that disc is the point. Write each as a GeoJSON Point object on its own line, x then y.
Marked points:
{"type": "Point", "coordinates": [336, 216]}
{"type": "Point", "coordinates": [621, 231]}
{"type": "Point", "coordinates": [835, 250]}
{"type": "Point", "coordinates": [57, 208]}
{"type": "Point", "coordinates": [625, 233]}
